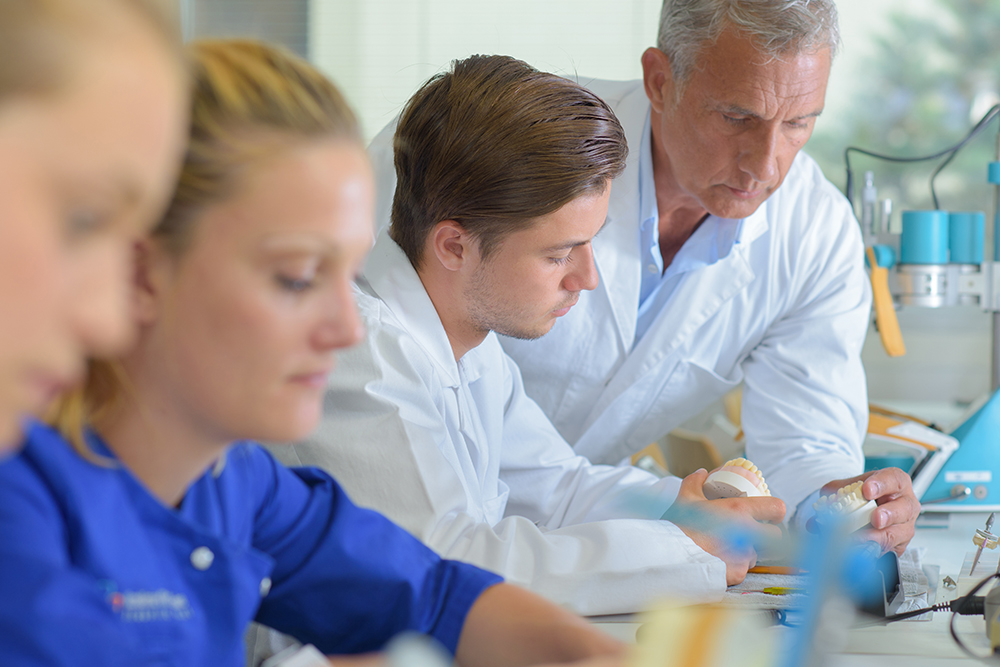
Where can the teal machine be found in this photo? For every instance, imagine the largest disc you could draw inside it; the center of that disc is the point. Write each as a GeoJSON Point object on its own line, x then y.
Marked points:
{"type": "Point", "coordinates": [940, 263]}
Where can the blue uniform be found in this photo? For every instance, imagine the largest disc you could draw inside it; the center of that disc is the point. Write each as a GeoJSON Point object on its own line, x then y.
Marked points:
{"type": "Point", "coordinates": [94, 570]}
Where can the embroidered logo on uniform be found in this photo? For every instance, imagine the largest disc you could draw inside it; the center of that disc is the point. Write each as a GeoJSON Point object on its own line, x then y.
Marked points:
{"type": "Point", "coordinates": [146, 606]}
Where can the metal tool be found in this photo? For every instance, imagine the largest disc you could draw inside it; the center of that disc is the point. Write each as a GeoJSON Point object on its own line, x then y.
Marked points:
{"type": "Point", "coordinates": [983, 538]}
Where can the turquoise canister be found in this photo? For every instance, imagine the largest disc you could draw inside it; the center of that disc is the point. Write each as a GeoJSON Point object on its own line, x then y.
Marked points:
{"type": "Point", "coordinates": [965, 236]}
{"type": "Point", "coordinates": [925, 238]}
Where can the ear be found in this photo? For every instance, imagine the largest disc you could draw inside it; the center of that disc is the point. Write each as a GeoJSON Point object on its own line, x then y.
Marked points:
{"type": "Point", "coordinates": [657, 78]}
{"type": "Point", "coordinates": [149, 280]}
{"type": "Point", "coordinates": [452, 245]}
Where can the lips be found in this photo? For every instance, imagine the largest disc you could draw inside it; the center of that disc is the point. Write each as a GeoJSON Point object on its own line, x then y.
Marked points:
{"type": "Point", "coordinates": [314, 380]}
{"type": "Point", "coordinates": [565, 309]}
{"type": "Point", "coordinates": [746, 194]}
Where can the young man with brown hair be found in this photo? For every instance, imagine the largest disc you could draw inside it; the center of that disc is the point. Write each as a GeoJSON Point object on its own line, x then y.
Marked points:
{"type": "Point", "coordinates": [504, 175]}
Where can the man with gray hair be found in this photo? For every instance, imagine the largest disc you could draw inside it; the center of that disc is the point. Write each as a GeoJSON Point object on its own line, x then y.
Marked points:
{"type": "Point", "coordinates": [728, 258]}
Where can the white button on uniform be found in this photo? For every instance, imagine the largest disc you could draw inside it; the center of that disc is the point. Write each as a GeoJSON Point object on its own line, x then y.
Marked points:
{"type": "Point", "coordinates": [265, 586]}
{"type": "Point", "coordinates": [202, 558]}
{"type": "Point", "coordinates": [652, 268]}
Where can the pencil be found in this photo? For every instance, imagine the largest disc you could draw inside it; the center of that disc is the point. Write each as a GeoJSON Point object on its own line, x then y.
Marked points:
{"type": "Point", "coordinates": [775, 569]}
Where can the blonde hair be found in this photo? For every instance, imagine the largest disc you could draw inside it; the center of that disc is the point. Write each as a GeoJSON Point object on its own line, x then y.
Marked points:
{"type": "Point", "coordinates": [38, 37]}
{"type": "Point", "coordinates": [250, 100]}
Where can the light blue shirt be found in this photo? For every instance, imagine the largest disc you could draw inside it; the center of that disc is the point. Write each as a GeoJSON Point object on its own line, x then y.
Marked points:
{"type": "Point", "coordinates": [713, 240]}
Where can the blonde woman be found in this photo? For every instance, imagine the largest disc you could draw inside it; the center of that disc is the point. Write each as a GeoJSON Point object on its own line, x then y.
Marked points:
{"type": "Point", "coordinates": [93, 102]}
{"type": "Point", "coordinates": [136, 531]}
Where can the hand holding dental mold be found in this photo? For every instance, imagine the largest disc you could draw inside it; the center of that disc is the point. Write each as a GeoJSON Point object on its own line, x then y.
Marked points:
{"type": "Point", "coordinates": [893, 519]}
{"type": "Point", "coordinates": [728, 513]}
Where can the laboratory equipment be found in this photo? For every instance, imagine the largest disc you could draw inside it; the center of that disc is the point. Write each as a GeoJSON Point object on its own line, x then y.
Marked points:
{"type": "Point", "coordinates": [940, 263]}
{"type": "Point", "coordinates": [965, 482]}
{"type": "Point", "coordinates": [940, 259]}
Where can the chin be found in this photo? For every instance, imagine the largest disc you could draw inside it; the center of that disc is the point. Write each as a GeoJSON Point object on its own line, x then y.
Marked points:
{"type": "Point", "coordinates": [10, 436]}
{"type": "Point", "coordinates": [527, 334]}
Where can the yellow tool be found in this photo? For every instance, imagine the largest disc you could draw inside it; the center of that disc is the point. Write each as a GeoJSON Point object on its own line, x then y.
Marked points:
{"type": "Point", "coordinates": [885, 314]}
{"type": "Point", "coordinates": [776, 590]}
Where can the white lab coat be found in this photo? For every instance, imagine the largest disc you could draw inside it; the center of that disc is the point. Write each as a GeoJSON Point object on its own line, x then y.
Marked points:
{"type": "Point", "coordinates": [786, 312]}
{"type": "Point", "coordinates": [458, 455]}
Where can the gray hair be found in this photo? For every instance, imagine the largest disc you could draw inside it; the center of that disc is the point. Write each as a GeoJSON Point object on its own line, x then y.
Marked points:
{"type": "Point", "coordinates": [777, 27]}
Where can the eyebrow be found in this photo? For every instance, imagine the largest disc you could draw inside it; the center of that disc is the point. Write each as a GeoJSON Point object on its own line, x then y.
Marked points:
{"type": "Point", "coordinates": [294, 243]}
{"type": "Point", "coordinates": [740, 111]}
{"type": "Point", "coordinates": [574, 244]}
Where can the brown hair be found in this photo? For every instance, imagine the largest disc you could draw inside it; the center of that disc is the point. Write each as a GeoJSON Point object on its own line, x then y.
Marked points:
{"type": "Point", "coordinates": [38, 37]}
{"type": "Point", "coordinates": [251, 100]}
{"type": "Point", "coordinates": [494, 144]}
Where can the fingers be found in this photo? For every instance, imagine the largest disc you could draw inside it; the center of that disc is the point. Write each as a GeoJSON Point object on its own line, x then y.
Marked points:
{"type": "Point", "coordinates": [898, 511]}
{"type": "Point", "coordinates": [768, 532]}
{"type": "Point", "coordinates": [887, 482]}
{"type": "Point", "coordinates": [692, 486]}
{"type": "Point", "coordinates": [898, 506]}
{"type": "Point", "coordinates": [737, 566]}
{"type": "Point", "coordinates": [894, 538]}
{"type": "Point", "coordinates": [765, 508]}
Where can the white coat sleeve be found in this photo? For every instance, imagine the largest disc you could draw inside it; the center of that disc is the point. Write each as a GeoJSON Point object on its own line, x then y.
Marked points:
{"type": "Point", "coordinates": [805, 404]}
{"type": "Point", "coordinates": [383, 436]}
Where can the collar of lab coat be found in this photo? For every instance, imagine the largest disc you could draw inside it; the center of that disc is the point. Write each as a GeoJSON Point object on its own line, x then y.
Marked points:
{"type": "Point", "coordinates": [394, 280]}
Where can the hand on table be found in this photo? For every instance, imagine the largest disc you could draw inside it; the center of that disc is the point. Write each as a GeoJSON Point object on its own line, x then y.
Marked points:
{"type": "Point", "coordinates": [712, 524]}
{"type": "Point", "coordinates": [894, 521]}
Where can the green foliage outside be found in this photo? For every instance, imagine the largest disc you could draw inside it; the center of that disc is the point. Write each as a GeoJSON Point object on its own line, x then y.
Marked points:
{"type": "Point", "coordinates": [917, 97]}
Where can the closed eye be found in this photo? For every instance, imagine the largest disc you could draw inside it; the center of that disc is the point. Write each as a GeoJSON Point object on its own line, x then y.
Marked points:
{"type": "Point", "coordinates": [291, 284]}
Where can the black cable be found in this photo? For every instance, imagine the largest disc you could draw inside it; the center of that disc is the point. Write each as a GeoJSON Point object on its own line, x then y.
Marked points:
{"type": "Point", "coordinates": [977, 128]}
{"type": "Point", "coordinates": [951, 624]}
{"type": "Point", "coordinates": [950, 152]}
{"type": "Point", "coordinates": [965, 605]}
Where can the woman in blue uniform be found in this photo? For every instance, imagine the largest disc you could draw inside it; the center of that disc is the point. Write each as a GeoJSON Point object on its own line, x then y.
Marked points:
{"type": "Point", "coordinates": [93, 99]}
{"type": "Point", "coordinates": [135, 532]}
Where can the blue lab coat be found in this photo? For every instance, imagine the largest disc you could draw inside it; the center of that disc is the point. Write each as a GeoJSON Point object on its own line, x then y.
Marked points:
{"type": "Point", "coordinates": [94, 570]}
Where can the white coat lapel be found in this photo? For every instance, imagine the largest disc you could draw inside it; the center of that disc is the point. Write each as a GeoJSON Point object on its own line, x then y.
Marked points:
{"type": "Point", "coordinates": [635, 388]}
{"type": "Point", "coordinates": [616, 248]}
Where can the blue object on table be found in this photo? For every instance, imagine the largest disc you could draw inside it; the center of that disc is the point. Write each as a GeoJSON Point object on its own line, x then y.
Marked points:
{"type": "Point", "coordinates": [993, 174]}
{"type": "Point", "coordinates": [925, 238]}
{"type": "Point", "coordinates": [976, 464]}
{"type": "Point", "coordinates": [965, 237]}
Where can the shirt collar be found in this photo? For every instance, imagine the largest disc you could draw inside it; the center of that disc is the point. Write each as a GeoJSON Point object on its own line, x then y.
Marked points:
{"type": "Point", "coordinates": [393, 279]}
{"type": "Point", "coordinates": [648, 213]}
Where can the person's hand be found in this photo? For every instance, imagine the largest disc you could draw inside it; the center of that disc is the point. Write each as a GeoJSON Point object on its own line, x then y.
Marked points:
{"type": "Point", "coordinates": [714, 525]}
{"type": "Point", "coordinates": [893, 523]}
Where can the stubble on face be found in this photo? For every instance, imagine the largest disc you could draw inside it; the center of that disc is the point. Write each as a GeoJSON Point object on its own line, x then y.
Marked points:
{"type": "Point", "coordinates": [491, 308]}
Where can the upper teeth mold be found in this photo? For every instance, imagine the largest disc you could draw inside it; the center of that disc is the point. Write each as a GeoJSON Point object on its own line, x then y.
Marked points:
{"type": "Point", "coordinates": [736, 479]}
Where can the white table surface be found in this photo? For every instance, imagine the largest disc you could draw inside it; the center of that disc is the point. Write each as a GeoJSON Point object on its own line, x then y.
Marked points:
{"type": "Point", "coordinates": [909, 643]}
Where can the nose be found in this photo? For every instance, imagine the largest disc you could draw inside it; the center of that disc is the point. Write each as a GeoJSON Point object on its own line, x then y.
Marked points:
{"type": "Point", "coordinates": [759, 155]}
{"type": "Point", "coordinates": [341, 324]}
{"type": "Point", "coordinates": [98, 301]}
{"type": "Point", "coordinates": [583, 276]}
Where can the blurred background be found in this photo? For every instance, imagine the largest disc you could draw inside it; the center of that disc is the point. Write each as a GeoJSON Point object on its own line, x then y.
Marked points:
{"type": "Point", "coordinates": [912, 77]}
